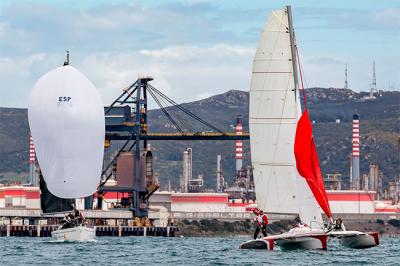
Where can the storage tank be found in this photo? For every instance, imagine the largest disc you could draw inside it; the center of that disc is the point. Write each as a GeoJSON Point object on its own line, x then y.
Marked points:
{"type": "Point", "coordinates": [126, 169]}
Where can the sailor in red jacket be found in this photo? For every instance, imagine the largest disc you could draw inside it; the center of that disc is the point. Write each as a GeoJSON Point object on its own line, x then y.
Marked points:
{"type": "Point", "coordinates": [262, 222]}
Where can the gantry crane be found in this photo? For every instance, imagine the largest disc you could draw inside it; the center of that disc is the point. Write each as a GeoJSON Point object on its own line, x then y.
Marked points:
{"type": "Point", "coordinates": [126, 120]}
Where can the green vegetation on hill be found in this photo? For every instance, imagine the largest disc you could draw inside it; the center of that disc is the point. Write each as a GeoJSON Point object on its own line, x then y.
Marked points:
{"type": "Point", "coordinates": [379, 126]}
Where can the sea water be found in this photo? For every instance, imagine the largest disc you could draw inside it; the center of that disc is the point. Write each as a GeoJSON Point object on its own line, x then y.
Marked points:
{"type": "Point", "coordinates": [182, 251]}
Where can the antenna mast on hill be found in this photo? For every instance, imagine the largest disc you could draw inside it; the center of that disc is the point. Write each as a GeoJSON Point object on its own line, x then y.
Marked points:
{"type": "Point", "coordinates": [373, 84]}
{"type": "Point", "coordinates": [346, 85]}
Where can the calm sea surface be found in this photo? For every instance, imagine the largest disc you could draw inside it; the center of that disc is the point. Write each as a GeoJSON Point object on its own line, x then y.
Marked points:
{"type": "Point", "coordinates": [181, 251]}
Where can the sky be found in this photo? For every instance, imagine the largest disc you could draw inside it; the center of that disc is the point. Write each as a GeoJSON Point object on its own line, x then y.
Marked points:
{"type": "Point", "coordinates": [193, 48]}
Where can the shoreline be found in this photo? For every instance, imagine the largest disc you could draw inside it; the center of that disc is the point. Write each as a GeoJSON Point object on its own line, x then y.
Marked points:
{"type": "Point", "coordinates": [245, 228]}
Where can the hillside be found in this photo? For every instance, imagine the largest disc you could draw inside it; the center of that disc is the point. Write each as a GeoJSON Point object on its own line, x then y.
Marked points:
{"type": "Point", "coordinates": [380, 127]}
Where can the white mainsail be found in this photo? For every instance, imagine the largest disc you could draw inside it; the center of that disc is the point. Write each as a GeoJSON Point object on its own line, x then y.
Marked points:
{"type": "Point", "coordinates": [66, 118]}
{"type": "Point", "coordinates": [274, 112]}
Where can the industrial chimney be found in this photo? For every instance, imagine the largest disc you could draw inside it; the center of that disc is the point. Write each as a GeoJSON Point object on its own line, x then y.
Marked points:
{"type": "Point", "coordinates": [239, 144]}
{"type": "Point", "coordinates": [220, 176]}
{"type": "Point", "coordinates": [219, 173]}
{"type": "Point", "coordinates": [32, 159]}
{"type": "Point", "coordinates": [355, 173]}
{"type": "Point", "coordinates": [187, 170]}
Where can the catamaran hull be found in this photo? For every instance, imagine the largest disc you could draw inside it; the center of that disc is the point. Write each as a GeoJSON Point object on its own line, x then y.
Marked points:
{"type": "Point", "coordinates": [361, 241]}
{"type": "Point", "coordinates": [304, 242]}
{"type": "Point", "coordinates": [258, 244]}
{"type": "Point", "coordinates": [80, 233]}
{"type": "Point", "coordinates": [296, 238]}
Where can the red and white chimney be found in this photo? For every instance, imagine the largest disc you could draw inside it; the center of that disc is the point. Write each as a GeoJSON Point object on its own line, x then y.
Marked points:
{"type": "Point", "coordinates": [239, 143]}
{"type": "Point", "coordinates": [31, 150]}
{"type": "Point", "coordinates": [32, 158]}
{"type": "Point", "coordinates": [355, 155]}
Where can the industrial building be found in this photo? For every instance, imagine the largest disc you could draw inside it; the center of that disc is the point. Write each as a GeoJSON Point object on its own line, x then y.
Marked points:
{"type": "Point", "coordinates": [129, 187]}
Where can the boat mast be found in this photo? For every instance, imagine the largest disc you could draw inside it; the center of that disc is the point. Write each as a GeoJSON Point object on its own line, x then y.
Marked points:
{"type": "Point", "coordinates": [293, 49]}
{"type": "Point", "coordinates": [66, 62]}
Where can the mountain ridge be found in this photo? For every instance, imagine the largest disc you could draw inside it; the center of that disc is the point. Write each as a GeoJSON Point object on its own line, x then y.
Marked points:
{"type": "Point", "coordinates": [379, 134]}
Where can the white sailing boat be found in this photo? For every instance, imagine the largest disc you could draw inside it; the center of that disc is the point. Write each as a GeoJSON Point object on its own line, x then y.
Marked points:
{"type": "Point", "coordinates": [66, 118]}
{"type": "Point", "coordinates": [80, 233]}
{"type": "Point", "coordinates": [286, 170]}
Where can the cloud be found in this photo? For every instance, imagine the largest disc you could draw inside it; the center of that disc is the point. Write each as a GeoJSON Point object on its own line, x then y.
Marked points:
{"type": "Point", "coordinates": [189, 53]}
{"type": "Point", "coordinates": [324, 60]}
{"type": "Point", "coordinates": [181, 72]}
{"type": "Point", "coordinates": [184, 73]}
{"type": "Point", "coordinates": [192, 48]}
{"type": "Point", "coordinates": [16, 78]}
{"type": "Point", "coordinates": [110, 27]}
{"type": "Point", "coordinates": [389, 18]}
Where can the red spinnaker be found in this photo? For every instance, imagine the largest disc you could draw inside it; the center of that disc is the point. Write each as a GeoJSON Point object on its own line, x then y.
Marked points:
{"type": "Point", "coordinates": [307, 162]}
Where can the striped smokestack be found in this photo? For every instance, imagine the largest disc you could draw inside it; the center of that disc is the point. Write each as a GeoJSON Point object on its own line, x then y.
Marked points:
{"type": "Point", "coordinates": [31, 150]}
{"type": "Point", "coordinates": [239, 143]}
{"type": "Point", "coordinates": [355, 176]}
{"type": "Point", "coordinates": [32, 159]}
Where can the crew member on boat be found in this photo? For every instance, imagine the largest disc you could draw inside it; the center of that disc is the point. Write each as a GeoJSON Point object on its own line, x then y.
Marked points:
{"type": "Point", "coordinates": [262, 222]}
{"type": "Point", "coordinates": [339, 226]}
{"type": "Point", "coordinates": [299, 222]}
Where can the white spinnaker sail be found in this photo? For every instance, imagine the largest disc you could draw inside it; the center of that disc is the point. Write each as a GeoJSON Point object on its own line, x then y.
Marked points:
{"type": "Point", "coordinates": [274, 112]}
{"type": "Point", "coordinates": [66, 118]}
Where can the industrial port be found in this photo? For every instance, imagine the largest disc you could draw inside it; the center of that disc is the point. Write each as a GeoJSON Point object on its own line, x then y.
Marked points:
{"type": "Point", "coordinates": [129, 200]}
{"type": "Point", "coordinates": [199, 132]}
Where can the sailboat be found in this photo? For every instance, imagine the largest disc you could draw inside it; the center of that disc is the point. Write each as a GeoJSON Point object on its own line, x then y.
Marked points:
{"type": "Point", "coordinates": [286, 170]}
{"type": "Point", "coordinates": [66, 118]}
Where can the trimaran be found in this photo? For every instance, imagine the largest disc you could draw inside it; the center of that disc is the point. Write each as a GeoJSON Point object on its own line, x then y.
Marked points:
{"type": "Point", "coordinates": [286, 171]}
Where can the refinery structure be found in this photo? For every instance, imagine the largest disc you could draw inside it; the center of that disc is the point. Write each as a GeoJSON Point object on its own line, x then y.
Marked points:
{"type": "Point", "coordinates": [129, 192]}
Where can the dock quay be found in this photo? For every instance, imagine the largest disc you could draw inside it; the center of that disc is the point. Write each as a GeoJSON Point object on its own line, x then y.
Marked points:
{"type": "Point", "coordinates": [119, 223]}
{"type": "Point", "coordinates": [117, 231]}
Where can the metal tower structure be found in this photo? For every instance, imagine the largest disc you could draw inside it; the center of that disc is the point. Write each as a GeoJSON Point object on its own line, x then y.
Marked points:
{"type": "Point", "coordinates": [126, 120]}
{"type": "Point", "coordinates": [132, 128]}
{"type": "Point", "coordinates": [373, 84]}
{"type": "Point", "coordinates": [346, 84]}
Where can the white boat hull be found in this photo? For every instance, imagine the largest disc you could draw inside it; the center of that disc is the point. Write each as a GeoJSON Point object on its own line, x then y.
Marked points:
{"type": "Point", "coordinates": [296, 238]}
{"type": "Point", "coordinates": [302, 238]}
{"type": "Point", "coordinates": [356, 239]}
{"type": "Point", "coordinates": [79, 233]}
{"type": "Point", "coordinates": [258, 244]}
{"type": "Point", "coordinates": [303, 242]}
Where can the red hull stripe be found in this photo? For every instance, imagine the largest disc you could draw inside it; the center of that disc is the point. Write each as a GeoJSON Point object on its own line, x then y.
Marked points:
{"type": "Point", "coordinates": [271, 244]}
{"type": "Point", "coordinates": [324, 241]}
{"type": "Point", "coordinates": [375, 236]}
